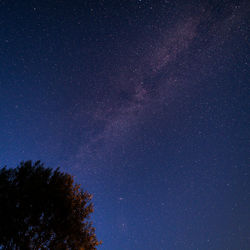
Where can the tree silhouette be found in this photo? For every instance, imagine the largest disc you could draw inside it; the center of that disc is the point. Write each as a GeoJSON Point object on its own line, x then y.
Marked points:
{"type": "Point", "coordinates": [43, 209]}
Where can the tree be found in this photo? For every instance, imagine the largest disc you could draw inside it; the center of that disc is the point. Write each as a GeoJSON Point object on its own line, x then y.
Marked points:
{"type": "Point", "coordinates": [43, 209]}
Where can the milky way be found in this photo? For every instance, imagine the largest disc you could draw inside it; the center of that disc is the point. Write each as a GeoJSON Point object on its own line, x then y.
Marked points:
{"type": "Point", "coordinates": [141, 87]}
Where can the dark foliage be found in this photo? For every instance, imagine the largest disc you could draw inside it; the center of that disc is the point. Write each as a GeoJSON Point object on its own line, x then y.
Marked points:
{"type": "Point", "coordinates": [43, 209]}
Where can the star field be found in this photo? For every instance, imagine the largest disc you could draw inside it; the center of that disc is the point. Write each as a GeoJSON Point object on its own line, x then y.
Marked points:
{"type": "Point", "coordinates": [146, 103]}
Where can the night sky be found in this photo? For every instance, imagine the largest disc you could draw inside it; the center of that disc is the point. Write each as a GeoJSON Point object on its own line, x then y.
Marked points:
{"type": "Point", "coordinates": [146, 103]}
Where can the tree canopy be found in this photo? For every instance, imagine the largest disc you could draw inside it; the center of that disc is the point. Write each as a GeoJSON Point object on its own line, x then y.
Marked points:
{"type": "Point", "coordinates": [42, 208]}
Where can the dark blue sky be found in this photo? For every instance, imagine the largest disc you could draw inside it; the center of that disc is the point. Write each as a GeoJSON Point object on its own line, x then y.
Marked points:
{"type": "Point", "coordinates": [146, 103]}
